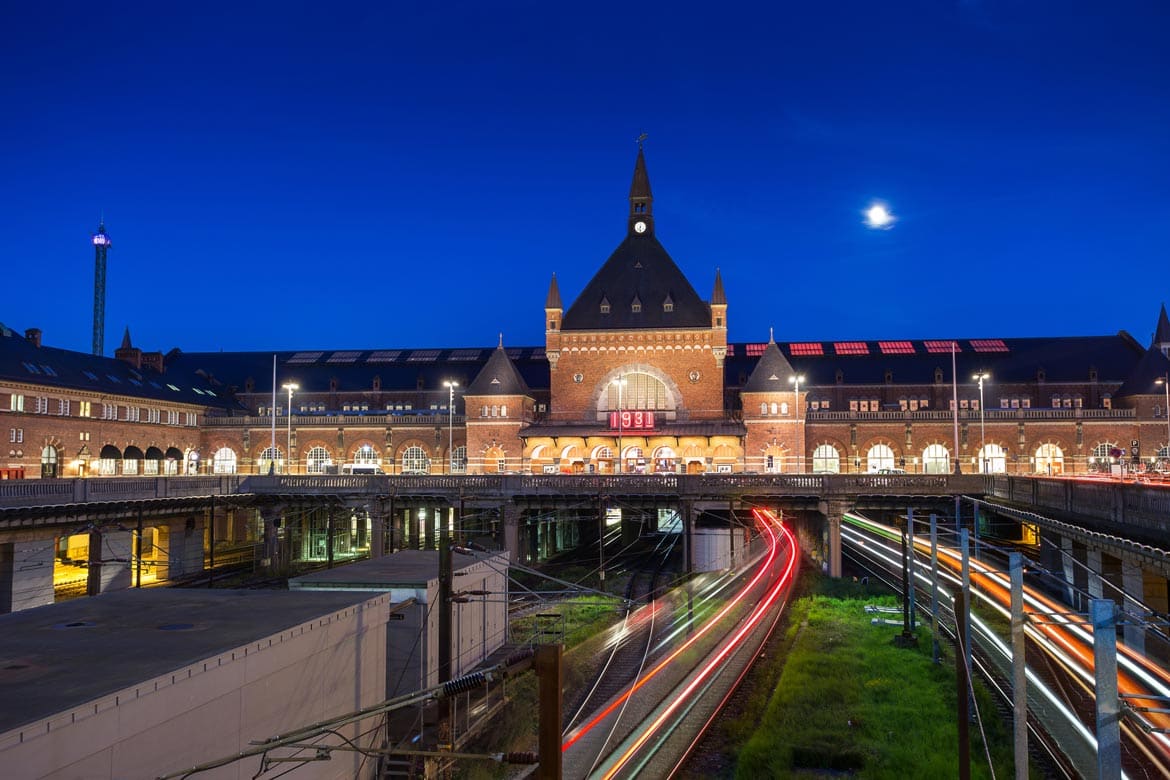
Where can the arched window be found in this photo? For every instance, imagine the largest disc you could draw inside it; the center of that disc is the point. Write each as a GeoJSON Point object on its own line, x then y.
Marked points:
{"type": "Point", "coordinates": [131, 458]}
{"type": "Point", "coordinates": [415, 461]}
{"type": "Point", "coordinates": [366, 455]}
{"type": "Point", "coordinates": [223, 461]}
{"type": "Point", "coordinates": [664, 460]}
{"type": "Point", "coordinates": [826, 460]}
{"type": "Point", "coordinates": [49, 462]}
{"type": "Point", "coordinates": [879, 457]}
{"type": "Point", "coordinates": [630, 459]}
{"type": "Point", "coordinates": [1049, 459]}
{"type": "Point", "coordinates": [271, 459]}
{"type": "Point", "coordinates": [775, 408]}
{"type": "Point", "coordinates": [316, 460]}
{"type": "Point", "coordinates": [638, 391]}
{"type": "Point", "coordinates": [459, 460]}
{"type": "Point", "coordinates": [936, 459]}
{"type": "Point", "coordinates": [784, 408]}
{"type": "Point", "coordinates": [763, 407]}
{"type": "Point", "coordinates": [992, 459]}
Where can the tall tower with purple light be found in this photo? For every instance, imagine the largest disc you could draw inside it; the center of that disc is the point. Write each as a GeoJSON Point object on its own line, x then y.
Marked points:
{"type": "Point", "coordinates": [101, 245]}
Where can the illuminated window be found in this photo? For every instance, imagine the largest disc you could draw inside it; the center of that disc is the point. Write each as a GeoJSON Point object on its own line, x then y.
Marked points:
{"type": "Point", "coordinates": [826, 460]}
{"type": "Point", "coordinates": [992, 459]}
{"type": "Point", "coordinates": [1049, 459]}
{"type": "Point", "coordinates": [415, 461]}
{"type": "Point", "coordinates": [879, 457]}
{"type": "Point", "coordinates": [366, 455]}
{"type": "Point", "coordinates": [936, 459]}
{"type": "Point", "coordinates": [851, 348]}
{"type": "Point", "coordinates": [639, 391]}
{"type": "Point", "coordinates": [271, 459]}
{"type": "Point", "coordinates": [316, 460]}
{"type": "Point", "coordinates": [754, 350]}
{"type": "Point", "coordinates": [805, 350]}
{"type": "Point", "coordinates": [223, 461]}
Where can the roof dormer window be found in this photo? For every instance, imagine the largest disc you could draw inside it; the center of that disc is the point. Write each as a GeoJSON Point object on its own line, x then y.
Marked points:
{"type": "Point", "coordinates": [605, 305]}
{"type": "Point", "coordinates": [636, 305]}
{"type": "Point", "coordinates": [668, 304]}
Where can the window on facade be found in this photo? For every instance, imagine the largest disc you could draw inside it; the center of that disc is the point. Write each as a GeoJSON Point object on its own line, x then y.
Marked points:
{"type": "Point", "coordinates": [459, 460]}
{"type": "Point", "coordinates": [42, 405]}
{"type": "Point", "coordinates": [879, 457]}
{"type": "Point", "coordinates": [605, 307]}
{"type": "Point", "coordinates": [191, 419]}
{"type": "Point", "coordinates": [992, 459]}
{"type": "Point", "coordinates": [49, 461]}
{"type": "Point", "coordinates": [152, 415]}
{"type": "Point", "coordinates": [172, 418]}
{"type": "Point", "coordinates": [16, 402]}
{"type": "Point", "coordinates": [640, 391]}
{"type": "Point", "coordinates": [763, 408]}
{"type": "Point", "coordinates": [826, 460]}
{"type": "Point", "coordinates": [1049, 459]}
{"type": "Point", "coordinates": [223, 461]}
{"type": "Point", "coordinates": [16, 435]}
{"type": "Point", "coordinates": [504, 410]}
{"type": "Point", "coordinates": [83, 408]}
{"type": "Point", "coordinates": [63, 407]}
{"type": "Point", "coordinates": [415, 461]}
{"type": "Point", "coordinates": [132, 413]}
{"type": "Point", "coordinates": [316, 460]}
{"type": "Point", "coordinates": [936, 459]}
{"type": "Point", "coordinates": [366, 455]}
{"type": "Point", "coordinates": [271, 459]}
{"type": "Point", "coordinates": [784, 408]}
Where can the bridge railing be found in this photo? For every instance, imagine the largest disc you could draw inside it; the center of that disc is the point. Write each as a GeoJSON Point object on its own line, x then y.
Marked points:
{"type": "Point", "coordinates": [53, 492]}
{"type": "Point", "coordinates": [1131, 504]}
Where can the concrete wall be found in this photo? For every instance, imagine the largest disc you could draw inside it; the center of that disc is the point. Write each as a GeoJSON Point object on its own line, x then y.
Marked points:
{"type": "Point", "coordinates": [213, 708]}
{"type": "Point", "coordinates": [26, 575]}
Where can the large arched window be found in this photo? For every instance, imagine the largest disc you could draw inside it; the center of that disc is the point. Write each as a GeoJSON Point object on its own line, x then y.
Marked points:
{"type": "Point", "coordinates": [1049, 459]}
{"type": "Point", "coordinates": [316, 460]}
{"type": "Point", "coordinates": [131, 460]}
{"type": "Point", "coordinates": [366, 455]}
{"type": "Point", "coordinates": [630, 460]}
{"type": "Point", "coordinates": [879, 457]}
{"type": "Point", "coordinates": [992, 459]}
{"type": "Point", "coordinates": [271, 459]}
{"type": "Point", "coordinates": [638, 391]}
{"type": "Point", "coordinates": [415, 461]}
{"type": "Point", "coordinates": [936, 459]}
{"type": "Point", "coordinates": [109, 461]}
{"type": "Point", "coordinates": [459, 460]}
{"type": "Point", "coordinates": [664, 459]}
{"type": "Point", "coordinates": [1102, 457]}
{"type": "Point", "coordinates": [826, 460]}
{"type": "Point", "coordinates": [223, 461]}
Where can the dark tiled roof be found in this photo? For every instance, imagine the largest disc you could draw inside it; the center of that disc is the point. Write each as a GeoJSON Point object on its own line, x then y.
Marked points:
{"type": "Point", "coordinates": [639, 268]}
{"type": "Point", "coordinates": [498, 377]}
{"type": "Point", "coordinates": [1153, 365]}
{"type": "Point", "coordinates": [1162, 333]}
{"type": "Point", "coordinates": [23, 361]}
{"type": "Point", "coordinates": [772, 373]}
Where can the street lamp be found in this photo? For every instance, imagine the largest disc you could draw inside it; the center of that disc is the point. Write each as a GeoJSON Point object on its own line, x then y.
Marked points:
{"type": "Point", "coordinates": [795, 381]}
{"type": "Point", "coordinates": [620, 382]}
{"type": "Point", "coordinates": [451, 385]}
{"type": "Point", "coordinates": [1164, 381]}
{"type": "Point", "coordinates": [290, 386]}
{"type": "Point", "coordinates": [982, 431]}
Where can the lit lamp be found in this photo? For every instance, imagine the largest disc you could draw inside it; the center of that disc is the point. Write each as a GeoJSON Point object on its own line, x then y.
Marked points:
{"type": "Point", "coordinates": [451, 385]}
{"type": "Point", "coordinates": [290, 386]}
{"type": "Point", "coordinates": [619, 383]}
{"type": "Point", "coordinates": [982, 432]}
{"type": "Point", "coordinates": [1164, 381]}
{"type": "Point", "coordinates": [795, 381]}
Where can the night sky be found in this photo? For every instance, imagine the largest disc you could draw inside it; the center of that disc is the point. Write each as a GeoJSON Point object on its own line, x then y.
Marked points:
{"type": "Point", "coordinates": [301, 175]}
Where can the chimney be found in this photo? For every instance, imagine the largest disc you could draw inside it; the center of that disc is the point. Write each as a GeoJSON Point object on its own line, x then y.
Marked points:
{"type": "Point", "coordinates": [153, 360]}
{"type": "Point", "coordinates": [34, 336]}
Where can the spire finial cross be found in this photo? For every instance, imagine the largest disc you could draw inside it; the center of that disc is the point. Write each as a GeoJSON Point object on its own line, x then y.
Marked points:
{"type": "Point", "coordinates": [641, 140]}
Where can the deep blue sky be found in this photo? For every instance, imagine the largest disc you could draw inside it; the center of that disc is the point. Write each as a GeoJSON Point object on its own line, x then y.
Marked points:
{"type": "Point", "coordinates": [397, 174]}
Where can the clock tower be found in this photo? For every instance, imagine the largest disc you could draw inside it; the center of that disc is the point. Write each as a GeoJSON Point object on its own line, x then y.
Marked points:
{"type": "Point", "coordinates": [641, 201]}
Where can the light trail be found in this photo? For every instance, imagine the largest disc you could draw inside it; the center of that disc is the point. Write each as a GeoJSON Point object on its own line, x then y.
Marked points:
{"type": "Point", "coordinates": [1066, 637]}
{"type": "Point", "coordinates": [713, 663]}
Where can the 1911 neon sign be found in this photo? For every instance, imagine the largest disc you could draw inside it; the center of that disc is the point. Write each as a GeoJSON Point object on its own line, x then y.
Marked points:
{"type": "Point", "coordinates": [631, 421]}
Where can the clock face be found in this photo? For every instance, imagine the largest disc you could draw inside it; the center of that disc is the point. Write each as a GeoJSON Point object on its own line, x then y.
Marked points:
{"type": "Point", "coordinates": [639, 227]}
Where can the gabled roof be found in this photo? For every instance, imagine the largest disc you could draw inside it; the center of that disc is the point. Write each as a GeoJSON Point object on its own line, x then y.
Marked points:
{"type": "Point", "coordinates": [639, 268]}
{"type": "Point", "coordinates": [1151, 367]}
{"type": "Point", "coordinates": [498, 377]}
{"type": "Point", "coordinates": [772, 373]}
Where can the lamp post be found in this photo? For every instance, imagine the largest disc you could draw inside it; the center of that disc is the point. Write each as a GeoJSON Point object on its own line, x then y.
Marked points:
{"type": "Point", "coordinates": [619, 382]}
{"type": "Point", "coordinates": [795, 381]}
{"type": "Point", "coordinates": [982, 431]}
{"type": "Point", "coordinates": [1164, 381]}
{"type": "Point", "coordinates": [290, 386]}
{"type": "Point", "coordinates": [955, 403]}
{"type": "Point", "coordinates": [450, 385]}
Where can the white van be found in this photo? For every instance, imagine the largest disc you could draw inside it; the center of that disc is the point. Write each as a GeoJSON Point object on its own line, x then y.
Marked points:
{"type": "Point", "coordinates": [361, 468]}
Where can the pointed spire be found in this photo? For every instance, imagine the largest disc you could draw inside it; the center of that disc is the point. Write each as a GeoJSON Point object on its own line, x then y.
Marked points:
{"type": "Point", "coordinates": [554, 295]}
{"type": "Point", "coordinates": [501, 345]}
{"type": "Point", "coordinates": [640, 186]}
{"type": "Point", "coordinates": [718, 298]}
{"type": "Point", "coordinates": [1162, 333]}
{"type": "Point", "coordinates": [771, 336]}
{"type": "Point", "coordinates": [641, 220]}
{"type": "Point", "coordinates": [126, 339]}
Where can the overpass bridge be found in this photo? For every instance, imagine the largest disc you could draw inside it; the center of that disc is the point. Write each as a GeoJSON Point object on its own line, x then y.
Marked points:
{"type": "Point", "coordinates": [175, 526]}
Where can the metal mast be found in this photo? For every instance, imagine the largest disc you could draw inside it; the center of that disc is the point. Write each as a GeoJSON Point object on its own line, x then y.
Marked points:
{"type": "Point", "coordinates": [101, 244]}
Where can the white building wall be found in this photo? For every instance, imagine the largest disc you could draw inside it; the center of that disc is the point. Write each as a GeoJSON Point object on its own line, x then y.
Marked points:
{"type": "Point", "coordinates": [216, 707]}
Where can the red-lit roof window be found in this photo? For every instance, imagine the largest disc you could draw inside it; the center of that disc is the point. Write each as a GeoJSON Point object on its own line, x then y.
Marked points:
{"type": "Point", "coordinates": [896, 347]}
{"type": "Point", "coordinates": [806, 349]}
{"type": "Point", "coordinates": [936, 347]}
{"type": "Point", "coordinates": [989, 345]}
{"type": "Point", "coordinates": [754, 350]}
{"type": "Point", "coordinates": [730, 350]}
{"type": "Point", "coordinates": [851, 348]}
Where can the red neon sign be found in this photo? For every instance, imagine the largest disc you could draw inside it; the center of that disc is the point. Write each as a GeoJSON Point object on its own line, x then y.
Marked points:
{"type": "Point", "coordinates": [631, 421]}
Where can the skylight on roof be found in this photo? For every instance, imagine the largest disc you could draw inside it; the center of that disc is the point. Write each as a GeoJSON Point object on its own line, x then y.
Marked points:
{"type": "Point", "coordinates": [806, 349]}
{"type": "Point", "coordinates": [177, 390]}
{"type": "Point", "coordinates": [464, 354]}
{"type": "Point", "coordinates": [513, 352]}
{"type": "Point", "coordinates": [850, 348]}
{"type": "Point", "coordinates": [730, 350]}
{"type": "Point", "coordinates": [305, 357]}
{"type": "Point", "coordinates": [384, 356]}
{"type": "Point", "coordinates": [988, 345]}
{"type": "Point", "coordinates": [538, 354]}
{"type": "Point", "coordinates": [90, 374]}
{"type": "Point", "coordinates": [896, 347]}
{"type": "Point", "coordinates": [29, 367]}
{"type": "Point", "coordinates": [422, 355]}
{"type": "Point", "coordinates": [48, 370]}
{"type": "Point", "coordinates": [938, 347]}
{"type": "Point", "coordinates": [754, 350]}
{"type": "Point", "coordinates": [114, 379]}
{"type": "Point", "coordinates": [342, 357]}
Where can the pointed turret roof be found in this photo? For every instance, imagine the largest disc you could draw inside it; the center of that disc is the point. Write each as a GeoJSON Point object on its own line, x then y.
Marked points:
{"type": "Point", "coordinates": [498, 376]}
{"type": "Point", "coordinates": [717, 295]}
{"type": "Point", "coordinates": [554, 295]}
{"type": "Point", "coordinates": [640, 186]}
{"type": "Point", "coordinates": [772, 372]}
{"type": "Point", "coordinates": [1162, 332]}
{"type": "Point", "coordinates": [126, 339]}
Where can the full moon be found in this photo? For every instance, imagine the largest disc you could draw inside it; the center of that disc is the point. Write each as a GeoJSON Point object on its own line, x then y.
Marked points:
{"type": "Point", "coordinates": [878, 216]}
